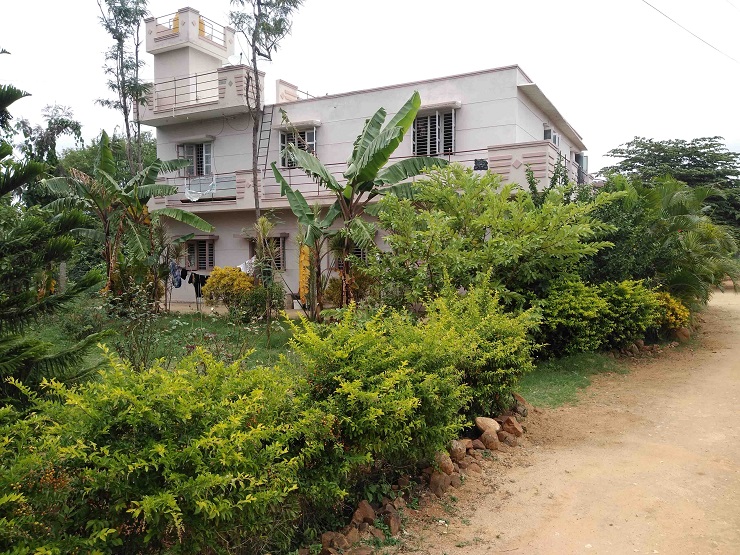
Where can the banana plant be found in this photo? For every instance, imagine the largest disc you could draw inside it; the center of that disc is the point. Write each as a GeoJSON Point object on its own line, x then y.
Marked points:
{"type": "Point", "coordinates": [121, 209]}
{"type": "Point", "coordinates": [365, 178]}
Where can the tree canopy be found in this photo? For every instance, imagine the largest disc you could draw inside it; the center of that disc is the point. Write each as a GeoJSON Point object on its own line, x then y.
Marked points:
{"type": "Point", "coordinates": [702, 162]}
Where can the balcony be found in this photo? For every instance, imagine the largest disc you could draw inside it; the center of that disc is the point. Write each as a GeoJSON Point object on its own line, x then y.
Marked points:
{"type": "Point", "coordinates": [187, 27]}
{"type": "Point", "coordinates": [211, 193]}
{"type": "Point", "coordinates": [226, 91]}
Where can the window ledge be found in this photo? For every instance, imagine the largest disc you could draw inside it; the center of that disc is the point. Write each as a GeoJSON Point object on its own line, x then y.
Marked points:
{"type": "Point", "coordinates": [449, 105]}
{"type": "Point", "coordinates": [305, 124]}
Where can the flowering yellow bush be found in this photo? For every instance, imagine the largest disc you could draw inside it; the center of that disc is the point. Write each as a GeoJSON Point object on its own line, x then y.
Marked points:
{"type": "Point", "coordinates": [673, 313]}
{"type": "Point", "coordinates": [228, 285]}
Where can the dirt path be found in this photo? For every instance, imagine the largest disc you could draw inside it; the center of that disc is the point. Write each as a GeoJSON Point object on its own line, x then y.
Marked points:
{"type": "Point", "coordinates": [647, 462]}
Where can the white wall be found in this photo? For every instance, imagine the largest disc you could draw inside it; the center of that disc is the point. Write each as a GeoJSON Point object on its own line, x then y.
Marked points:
{"type": "Point", "coordinates": [492, 112]}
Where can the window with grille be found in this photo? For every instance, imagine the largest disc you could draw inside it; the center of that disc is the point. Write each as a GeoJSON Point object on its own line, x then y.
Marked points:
{"type": "Point", "coordinates": [434, 134]}
{"type": "Point", "coordinates": [305, 140]}
{"type": "Point", "coordinates": [199, 156]}
{"type": "Point", "coordinates": [275, 250]}
{"type": "Point", "coordinates": [201, 255]}
{"type": "Point", "coordinates": [357, 252]}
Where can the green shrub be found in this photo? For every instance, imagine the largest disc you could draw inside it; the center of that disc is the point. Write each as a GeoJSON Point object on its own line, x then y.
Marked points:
{"type": "Point", "coordinates": [360, 287]}
{"type": "Point", "coordinates": [494, 349]}
{"type": "Point", "coordinates": [253, 304]}
{"type": "Point", "coordinates": [672, 313]}
{"type": "Point", "coordinates": [227, 285]}
{"type": "Point", "coordinates": [632, 309]}
{"type": "Point", "coordinates": [392, 384]}
{"type": "Point", "coordinates": [573, 319]}
{"type": "Point", "coordinates": [199, 459]}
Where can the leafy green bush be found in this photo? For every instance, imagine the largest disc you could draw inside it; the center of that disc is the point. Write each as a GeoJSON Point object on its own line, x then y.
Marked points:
{"type": "Point", "coordinates": [462, 224]}
{"type": "Point", "coordinates": [572, 319]}
{"type": "Point", "coordinates": [360, 286]}
{"type": "Point", "coordinates": [494, 348]}
{"type": "Point", "coordinates": [253, 304]}
{"type": "Point", "coordinates": [392, 384]}
{"type": "Point", "coordinates": [632, 309]}
{"type": "Point", "coordinates": [227, 285]}
{"type": "Point", "coordinates": [202, 458]}
{"type": "Point", "coordinates": [672, 313]}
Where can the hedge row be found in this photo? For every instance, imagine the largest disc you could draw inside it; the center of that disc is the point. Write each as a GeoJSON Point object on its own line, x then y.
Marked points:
{"type": "Point", "coordinates": [215, 458]}
{"type": "Point", "coordinates": [207, 457]}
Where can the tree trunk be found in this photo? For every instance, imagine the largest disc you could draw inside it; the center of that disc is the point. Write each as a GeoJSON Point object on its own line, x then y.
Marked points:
{"type": "Point", "coordinates": [257, 121]}
{"type": "Point", "coordinates": [123, 99]}
{"type": "Point", "coordinates": [137, 100]}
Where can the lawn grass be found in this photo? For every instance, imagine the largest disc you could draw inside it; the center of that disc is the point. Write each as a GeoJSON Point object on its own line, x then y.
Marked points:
{"type": "Point", "coordinates": [557, 382]}
{"type": "Point", "coordinates": [170, 337]}
{"type": "Point", "coordinates": [225, 339]}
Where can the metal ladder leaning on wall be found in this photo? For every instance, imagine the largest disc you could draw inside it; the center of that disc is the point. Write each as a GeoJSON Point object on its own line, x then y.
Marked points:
{"type": "Point", "coordinates": [263, 147]}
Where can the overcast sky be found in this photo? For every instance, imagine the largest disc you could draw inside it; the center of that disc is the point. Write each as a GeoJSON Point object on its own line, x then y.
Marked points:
{"type": "Point", "coordinates": [614, 68]}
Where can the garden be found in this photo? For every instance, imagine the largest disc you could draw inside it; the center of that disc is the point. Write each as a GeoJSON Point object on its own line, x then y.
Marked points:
{"type": "Point", "coordinates": [128, 429]}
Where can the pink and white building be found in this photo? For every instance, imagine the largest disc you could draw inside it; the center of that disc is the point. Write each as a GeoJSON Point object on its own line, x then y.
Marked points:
{"type": "Point", "coordinates": [496, 118]}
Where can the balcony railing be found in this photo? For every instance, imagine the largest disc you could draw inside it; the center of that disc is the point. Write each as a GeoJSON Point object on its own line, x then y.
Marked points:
{"type": "Point", "coordinates": [167, 26]}
{"type": "Point", "coordinates": [210, 30]}
{"type": "Point", "coordinates": [205, 188]}
{"type": "Point", "coordinates": [180, 92]}
{"type": "Point", "coordinates": [227, 89]}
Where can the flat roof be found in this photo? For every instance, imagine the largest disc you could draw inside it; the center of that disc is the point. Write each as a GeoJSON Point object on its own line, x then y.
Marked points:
{"type": "Point", "coordinates": [530, 90]}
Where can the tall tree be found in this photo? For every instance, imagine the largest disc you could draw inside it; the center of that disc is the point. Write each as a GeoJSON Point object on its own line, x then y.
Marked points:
{"type": "Point", "coordinates": [702, 162]}
{"type": "Point", "coordinates": [40, 144]}
{"type": "Point", "coordinates": [263, 23]}
{"type": "Point", "coordinates": [32, 241]}
{"type": "Point", "coordinates": [122, 21]}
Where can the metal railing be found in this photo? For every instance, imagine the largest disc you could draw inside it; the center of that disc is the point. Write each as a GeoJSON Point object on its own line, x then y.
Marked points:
{"type": "Point", "coordinates": [208, 29]}
{"type": "Point", "coordinates": [179, 92]}
{"type": "Point", "coordinates": [166, 25]}
{"type": "Point", "coordinates": [221, 186]}
{"type": "Point", "coordinates": [299, 181]}
{"type": "Point", "coordinates": [193, 90]}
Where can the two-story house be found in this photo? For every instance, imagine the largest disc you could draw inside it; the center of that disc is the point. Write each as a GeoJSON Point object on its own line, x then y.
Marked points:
{"type": "Point", "coordinates": [199, 103]}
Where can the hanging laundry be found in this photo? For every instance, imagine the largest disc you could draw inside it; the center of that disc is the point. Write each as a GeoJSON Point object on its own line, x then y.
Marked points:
{"type": "Point", "coordinates": [248, 266]}
{"type": "Point", "coordinates": [183, 273]}
{"type": "Point", "coordinates": [198, 281]}
{"type": "Point", "coordinates": [175, 273]}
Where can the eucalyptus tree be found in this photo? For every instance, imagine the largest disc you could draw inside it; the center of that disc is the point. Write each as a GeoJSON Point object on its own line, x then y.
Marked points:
{"type": "Point", "coordinates": [263, 23]}
{"type": "Point", "coordinates": [365, 178]}
{"type": "Point", "coordinates": [121, 19]}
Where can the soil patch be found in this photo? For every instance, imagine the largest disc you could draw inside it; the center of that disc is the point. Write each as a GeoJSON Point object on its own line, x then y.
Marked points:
{"type": "Point", "coordinates": [646, 462]}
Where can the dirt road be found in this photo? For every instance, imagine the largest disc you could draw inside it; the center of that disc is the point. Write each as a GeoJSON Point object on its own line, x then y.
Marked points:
{"type": "Point", "coordinates": [647, 462]}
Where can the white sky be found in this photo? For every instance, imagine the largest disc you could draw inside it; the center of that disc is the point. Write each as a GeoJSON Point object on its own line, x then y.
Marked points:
{"type": "Point", "coordinates": [614, 68]}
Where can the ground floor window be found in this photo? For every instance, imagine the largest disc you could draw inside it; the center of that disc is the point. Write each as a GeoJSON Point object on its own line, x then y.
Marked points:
{"type": "Point", "coordinates": [274, 251]}
{"type": "Point", "coordinates": [201, 255]}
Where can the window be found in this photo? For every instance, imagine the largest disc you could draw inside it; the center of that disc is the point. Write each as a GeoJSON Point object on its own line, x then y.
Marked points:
{"type": "Point", "coordinates": [553, 137]}
{"type": "Point", "coordinates": [357, 252]}
{"type": "Point", "coordinates": [275, 249]}
{"type": "Point", "coordinates": [305, 140]}
{"type": "Point", "coordinates": [434, 134]}
{"type": "Point", "coordinates": [199, 156]}
{"type": "Point", "coordinates": [200, 255]}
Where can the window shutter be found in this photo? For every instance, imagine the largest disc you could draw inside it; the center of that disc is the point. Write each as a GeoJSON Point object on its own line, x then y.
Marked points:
{"type": "Point", "coordinates": [202, 255]}
{"type": "Point", "coordinates": [433, 147]}
{"type": "Point", "coordinates": [190, 156]}
{"type": "Point", "coordinates": [448, 133]}
{"type": "Point", "coordinates": [207, 158]}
